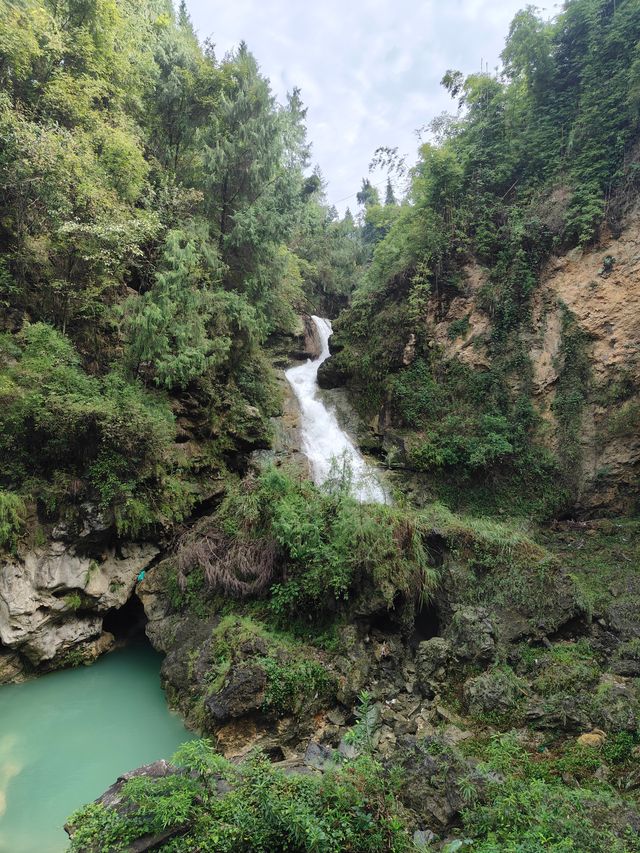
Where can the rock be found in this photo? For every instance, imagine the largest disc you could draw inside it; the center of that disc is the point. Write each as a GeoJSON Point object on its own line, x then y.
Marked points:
{"type": "Point", "coordinates": [337, 717]}
{"type": "Point", "coordinates": [348, 749]}
{"type": "Point", "coordinates": [403, 726]}
{"type": "Point", "coordinates": [331, 374]}
{"type": "Point", "coordinates": [11, 668]}
{"type": "Point", "coordinates": [564, 712]}
{"type": "Point", "coordinates": [429, 782]}
{"type": "Point", "coordinates": [51, 640]}
{"type": "Point", "coordinates": [409, 352]}
{"type": "Point", "coordinates": [243, 693]}
{"type": "Point", "coordinates": [312, 347]}
{"type": "Point", "coordinates": [447, 715]}
{"type": "Point", "coordinates": [424, 837]}
{"type": "Point", "coordinates": [497, 691]}
{"type": "Point", "coordinates": [90, 525]}
{"type": "Point", "coordinates": [40, 594]}
{"type": "Point", "coordinates": [453, 735]}
{"type": "Point", "coordinates": [319, 756]}
{"type": "Point", "coordinates": [432, 660]}
{"type": "Point", "coordinates": [96, 648]}
{"type": "Point", "coordinates": [152, 592]}
{"type": "Point", "coordinates": [593, 739]}
{"type": "Point", "coordinates": [157, 770]}
{"type": "Point", "coordinates": [623, 617]}
{"type": "Point", "coordinates": [616, 705]}
{"type": "Point", "coordinates": [471, 634]}
{"type": "Point", "coordinates": [627, 667]}
{"type": "Point", "coordinates": [112, 799]}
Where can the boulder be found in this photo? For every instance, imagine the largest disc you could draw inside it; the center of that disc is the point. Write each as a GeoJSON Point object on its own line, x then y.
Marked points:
{"type": "Point", "coordinates": [331, 374]}
{"type": "Point", "coordinates": [498, 691]}
{"type": "Point", "coordinates": [616, 705]}
{"type": "Point", "coordinates": [318, 756]}
{"type": "Point", "coordinates": [431, 770]}
{"type": "Point", "coordinates": [471, 634]}
{"type": "Point", "coordinates": [11, 667]}
{"type": "Point", "coordinates": [52, 639]}
{"type": "Point", "coordinates": [432, 660]}
{"type": "Point", "coordinates": [623, 617]}
{"type": "Point", "coordinates": [243, 693]}
{"type": "Point", "coordinates": [593, 740]}
{"type": "Point", "coordinates": [90, 524]}
{"type": "Point", "coordinates": [112, 799]}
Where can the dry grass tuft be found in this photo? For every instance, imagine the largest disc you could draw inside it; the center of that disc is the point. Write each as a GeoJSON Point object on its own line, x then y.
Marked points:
{"type": "Point", "coordinates": [232, 566]}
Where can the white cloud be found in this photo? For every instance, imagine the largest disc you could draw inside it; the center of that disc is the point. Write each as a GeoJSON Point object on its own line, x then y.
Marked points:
{"type": "Point", "coordinates": [369, 70]}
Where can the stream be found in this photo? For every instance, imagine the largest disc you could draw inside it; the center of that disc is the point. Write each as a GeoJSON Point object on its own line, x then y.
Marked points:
{"type": "Point", "coordinates": [65, 737]}
{"type": "Point", "coordinates": [330, 451]}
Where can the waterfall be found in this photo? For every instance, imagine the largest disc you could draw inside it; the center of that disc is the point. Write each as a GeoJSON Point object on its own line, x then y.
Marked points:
{"type": "Point", "coordinates": [329, 449]}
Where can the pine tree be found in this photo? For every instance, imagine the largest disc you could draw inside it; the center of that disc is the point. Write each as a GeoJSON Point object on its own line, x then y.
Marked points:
{"type": "Point", "coordinates": [389, 198]}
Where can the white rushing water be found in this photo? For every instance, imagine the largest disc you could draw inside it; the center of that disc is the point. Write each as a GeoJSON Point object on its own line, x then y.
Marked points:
{"type": "Point", "coordinates": [329, 449]}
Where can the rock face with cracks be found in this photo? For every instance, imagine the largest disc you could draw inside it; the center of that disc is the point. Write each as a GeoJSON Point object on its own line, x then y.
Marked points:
{"type": "Point", "coordinates": [53, 599]}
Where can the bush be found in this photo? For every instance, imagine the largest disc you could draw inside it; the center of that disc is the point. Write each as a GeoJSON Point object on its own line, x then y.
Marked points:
{"type": "Point", "coordinates": [316, 549]}
{"type": "Point", "coordinates": [12, 518]}
{"type": "Point", "coordinates": [260, 809]}
{"type": "Point", "coordinates": [62, 431]}
{"type": "Point", "coordinates": [528, 809]}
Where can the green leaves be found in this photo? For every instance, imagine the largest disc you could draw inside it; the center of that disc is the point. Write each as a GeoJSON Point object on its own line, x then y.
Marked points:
{"type": "Point", "coordinates": [12, 519]}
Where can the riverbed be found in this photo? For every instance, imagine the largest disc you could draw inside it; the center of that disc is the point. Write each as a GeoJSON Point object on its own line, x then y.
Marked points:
{"type": "Point", "coordinates": [65, 737]}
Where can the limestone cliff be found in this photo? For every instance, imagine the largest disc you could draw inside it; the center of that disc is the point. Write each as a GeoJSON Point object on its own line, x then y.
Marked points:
{"type": "Point", "coordinates": [54, 596]}
{"type": "Point", "coordinates": [599, 289]}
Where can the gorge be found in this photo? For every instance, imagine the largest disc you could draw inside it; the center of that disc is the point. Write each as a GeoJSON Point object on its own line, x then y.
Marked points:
{"type": "Point", "coordinates": [368, 484]}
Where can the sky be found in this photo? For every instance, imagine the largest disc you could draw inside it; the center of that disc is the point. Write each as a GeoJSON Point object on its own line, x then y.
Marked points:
{"type": "Point", "coordinates": [369, 70]}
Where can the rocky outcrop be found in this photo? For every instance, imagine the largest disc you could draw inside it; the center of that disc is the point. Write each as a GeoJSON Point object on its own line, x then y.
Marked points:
{"type": "Point", "coordinates": [600, 289]}
{"type": "Point", "coordinates": [472, 635]}
{"type": "Point", "coordinates": [53, 598]}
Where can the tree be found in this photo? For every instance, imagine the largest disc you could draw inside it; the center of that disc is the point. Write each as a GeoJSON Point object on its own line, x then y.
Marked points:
{"type": "Point", "coordinates": [389, 198]}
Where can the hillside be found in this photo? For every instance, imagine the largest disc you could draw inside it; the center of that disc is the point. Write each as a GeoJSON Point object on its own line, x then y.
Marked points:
{"type": "Point", "coordinates": [453, 664]}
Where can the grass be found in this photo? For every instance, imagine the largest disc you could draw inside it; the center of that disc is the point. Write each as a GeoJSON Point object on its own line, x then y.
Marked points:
{"type": "Point", "coordinates": [603, 560]}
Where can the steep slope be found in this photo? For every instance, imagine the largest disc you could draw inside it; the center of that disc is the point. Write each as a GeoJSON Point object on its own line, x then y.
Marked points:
{"type": "Point", "coordinates": [492, 343]}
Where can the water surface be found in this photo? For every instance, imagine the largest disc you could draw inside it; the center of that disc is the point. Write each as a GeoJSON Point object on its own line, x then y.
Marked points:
{"type": "Point", "coordinates": [65, 737]}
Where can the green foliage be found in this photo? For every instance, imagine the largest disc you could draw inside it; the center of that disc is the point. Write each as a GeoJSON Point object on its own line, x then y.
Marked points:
{"type": "Point", "coordinates": [296, 678]}
{"type": "Point", "coordinates": [458, 328]}
{"type": "Point", "coordinates": [361, 734]}
{"type": "Point", "coordinates": [331, 544]}
{"type": "Point", "coordinates": [73, 601]}
{"type": "Point", "coordinates": [12, 519]}
{"type": "Point", "coordinates": [106, 432]}
{"type": "Point", "coordinates": [619, 747]}
{"type": "Point", "coordinates": [289, 683]}
{"type": "Point", "coordinates": [530, 808]}
{"type": "Point", "coordinates": [262, 810]}
{"type": "Point", "coordinates": [148, 196]}
{"type": "Point", "coordinates": [564, 668]}
{"type": "Point", "coordinates": [531, 164]}
{"type": "Point", "coordinates": [167, 327]}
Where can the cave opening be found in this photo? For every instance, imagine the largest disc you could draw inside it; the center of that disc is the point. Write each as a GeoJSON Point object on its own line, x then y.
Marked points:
{"type": "Point", "coordinates": [128, 622]}
{"type": "Point", "coordinates": [426, 625]}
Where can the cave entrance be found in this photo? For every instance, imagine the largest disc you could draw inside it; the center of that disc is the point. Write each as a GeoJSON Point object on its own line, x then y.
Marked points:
{"type": "Point", "coordinates": [426, 625]}
{"type": "Point", "coordinates": [128, 622]}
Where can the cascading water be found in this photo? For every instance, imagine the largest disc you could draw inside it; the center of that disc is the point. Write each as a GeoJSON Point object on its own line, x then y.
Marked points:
{"type": "Point", "coordinates": [329, 449]}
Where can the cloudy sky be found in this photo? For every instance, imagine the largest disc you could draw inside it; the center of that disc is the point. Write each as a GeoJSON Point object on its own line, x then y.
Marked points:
{"type": "Point", "coordinates": [369, 70]}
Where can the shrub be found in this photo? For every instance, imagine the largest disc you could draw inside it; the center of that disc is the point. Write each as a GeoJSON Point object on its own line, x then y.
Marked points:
{"type": "Point", "coordinates": [316, 548]}
{"type": "Point", "coordinates": [12, 519]}
{"type": "Point", "coordinates": [259, 809]}
{"type": "Point", "coordinates": [59, 426]}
